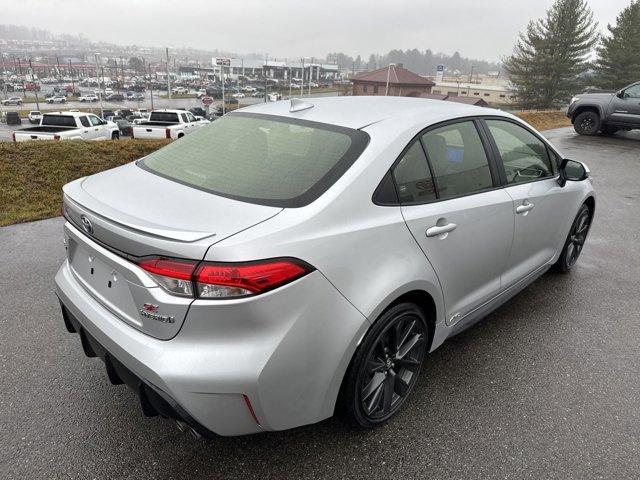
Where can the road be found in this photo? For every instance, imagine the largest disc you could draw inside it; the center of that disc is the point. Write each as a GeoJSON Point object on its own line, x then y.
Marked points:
{"type": "Point", "coordinates": [547, 387]}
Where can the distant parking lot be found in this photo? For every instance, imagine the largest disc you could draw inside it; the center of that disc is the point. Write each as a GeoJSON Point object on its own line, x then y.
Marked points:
{"type": "Point", "coordinates": [544, 388]}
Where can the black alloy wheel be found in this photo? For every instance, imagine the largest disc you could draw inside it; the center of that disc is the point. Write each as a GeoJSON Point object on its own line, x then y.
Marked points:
{"type": "Point", "coordinates": [386, 366]}
{"type": "Point", "coordinates": [575, 240]}
{"type": "Point", "coordinates": [587, 123]}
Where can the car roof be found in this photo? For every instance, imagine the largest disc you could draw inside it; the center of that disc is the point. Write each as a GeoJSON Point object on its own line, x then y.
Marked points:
{"type": "Point", "coordinates": [359, 111]}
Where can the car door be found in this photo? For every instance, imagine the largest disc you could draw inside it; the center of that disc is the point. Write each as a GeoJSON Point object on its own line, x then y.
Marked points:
{"type": "Point", "coordinates": [193, 121]}
{"type": "Point", "coordinates": [625, 108]}
{"type": "Point", "coordinates": [96, 128]}
{"type": "Point", "coordinates": [456, 210]}
{"type": "Point", "coordinates": [87, 128]}
{"type": "Point", "coordinates": [541, 209]}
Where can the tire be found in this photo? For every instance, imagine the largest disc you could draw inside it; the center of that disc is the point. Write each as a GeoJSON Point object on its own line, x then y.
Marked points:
{"type": "Point", "coordinates": [115, 136]}
{"type": "Point", "coordinates": [382, 375]}
{"type": "Point", "coordinates": [575, 240]}
{"type": "Point", "coordinates": [587, 123]}
{"type": "Point", "coordinates": [180, 135]}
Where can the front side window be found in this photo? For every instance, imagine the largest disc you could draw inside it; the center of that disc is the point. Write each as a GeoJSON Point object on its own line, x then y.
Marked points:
{"type": "Point", "coordinates": [458, 159]}
{"type": "Point", "coordinates": [95, 121]}
{"type": "Point", "coordinates": [632, 92]}
{"type": "Point", "coordinates": [413, 177]}
{"type": "Point", "coordinates": [524, 156]}
{"type": "Point", "coordinates": [261, 159]}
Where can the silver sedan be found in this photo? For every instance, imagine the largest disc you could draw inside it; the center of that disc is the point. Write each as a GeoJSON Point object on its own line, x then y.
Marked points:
{"type": "Point", "coordinates": [293, 260]}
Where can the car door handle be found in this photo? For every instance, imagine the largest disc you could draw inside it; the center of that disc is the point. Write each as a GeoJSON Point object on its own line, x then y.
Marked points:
{"type": "Point", "coordinates": [525, 207]}
{"type": "Point", "coordinates": [439, 230]}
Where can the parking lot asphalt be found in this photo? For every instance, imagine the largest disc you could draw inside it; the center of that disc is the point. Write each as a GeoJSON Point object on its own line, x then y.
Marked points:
{"type": "Point", "coordinates": [547, 387]}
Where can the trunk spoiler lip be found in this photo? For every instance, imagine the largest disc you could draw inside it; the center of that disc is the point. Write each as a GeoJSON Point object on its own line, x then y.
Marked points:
{"type": "Point", "coordinates": [146, 231]}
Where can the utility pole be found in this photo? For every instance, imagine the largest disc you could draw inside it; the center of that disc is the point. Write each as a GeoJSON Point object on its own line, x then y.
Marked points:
{"type": "Point", "coordinates": [310, 74]}
{"type": "Point", "coordinates": [471, 74]}
{"type": "Point", "coordinates": [386, 91]}
{"type": "Point", "coordinates": [58, 76]}
{"type": "Point", "coordinates": [73, 86]}
{"type": "Point", "coordinates": [302, 82]}
{"type": "Point", "coordinates": [99, 89]}
{"type": "Point", "coordinates": [264, 75]}
{"type": "Point", "coordinates": [168, 78]}
{"type": "Point", "coordinates": [35, 89]}
{"type": "Point", "coordinates": [151, 86]}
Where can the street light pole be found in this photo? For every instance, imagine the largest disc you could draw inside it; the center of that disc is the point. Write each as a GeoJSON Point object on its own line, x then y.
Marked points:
{"type": "Point", "coordinates": [99, 89]}
{"type": "Point", "coordinates": [35, 89]}
{"type": "Point", "coordinates": [310, 74]}
{"type": "Point", "coordinates": [150, 86]}
{"type": "Point", "coordinates": [386, 91]}
{"type": "Point", "coordinates": [302, 82]}
{"type": "Point", "coordinates": [168, 80]}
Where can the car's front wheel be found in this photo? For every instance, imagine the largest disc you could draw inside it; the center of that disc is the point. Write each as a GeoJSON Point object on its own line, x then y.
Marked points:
{"type": "Point", "coordinates": [385, 367]}
{"type": "Point", "coordinates": [587, 123]}
{"type": "Point", "coordinates": [575, 241]}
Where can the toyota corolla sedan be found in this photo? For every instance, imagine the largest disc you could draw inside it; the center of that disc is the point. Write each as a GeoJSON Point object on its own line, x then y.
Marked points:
{"type": "Point", "coordinates": [293, 260]}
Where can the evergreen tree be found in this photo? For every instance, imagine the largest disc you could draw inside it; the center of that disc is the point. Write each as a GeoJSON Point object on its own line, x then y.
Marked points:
{"type": "Point", "coordinates": [618, 62]}
{"type": "Point", "coordinates": [551, 53]}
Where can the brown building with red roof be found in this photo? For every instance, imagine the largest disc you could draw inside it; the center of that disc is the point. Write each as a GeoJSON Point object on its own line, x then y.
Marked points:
{"type": "Point", "coordinates": [402, 82]}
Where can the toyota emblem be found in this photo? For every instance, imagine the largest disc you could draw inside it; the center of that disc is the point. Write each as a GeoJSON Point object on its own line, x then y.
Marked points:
{"type": "Point", "coordinates": [86, 225]}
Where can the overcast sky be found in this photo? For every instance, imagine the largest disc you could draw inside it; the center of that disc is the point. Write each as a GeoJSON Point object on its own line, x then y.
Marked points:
{"type": "Point", "coordinates": [482, 29]}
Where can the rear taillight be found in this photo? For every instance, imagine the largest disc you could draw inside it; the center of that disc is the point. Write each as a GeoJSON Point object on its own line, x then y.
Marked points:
{"type": "Point", "coordinates": [56, 137]}
{"type": "Point", "coordinates": [13, 136]}
{"type": "Point", "coordinates": [167, 132]}
{"type": "Point", "coordinates": [132, 135]}
{"type": "Point", "coordinates": [223, 280]}
{"type": "Point", "coordinates": [175, 276]}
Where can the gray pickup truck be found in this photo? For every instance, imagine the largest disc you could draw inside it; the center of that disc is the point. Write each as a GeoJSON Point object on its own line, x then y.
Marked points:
{"type": "Point", "coordinates": [593, 113]}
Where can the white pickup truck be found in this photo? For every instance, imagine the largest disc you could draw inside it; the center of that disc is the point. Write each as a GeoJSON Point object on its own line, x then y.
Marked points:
{"type": "Point", "coordinates": [172, 124]}
{"type": "Point", "coordinates": [69, 126]}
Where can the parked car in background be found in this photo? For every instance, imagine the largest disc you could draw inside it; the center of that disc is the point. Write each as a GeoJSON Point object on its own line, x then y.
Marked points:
{"type": "Point", "coordinates": [167, 123]}
{"type": "Point", "coordinates": [238, 95]}
{"type": "Point", "coordinates": [12, 118]}
{"type": "Point", "coordinates": [593, 113]}
{"type": "Point", "coordinates": [202, 92]}
{"type": "Point", "coordinates": [125, 127]}
{"type": "Point", "coordinates": [257, 94]}
{"type": "Point", "coordinates": [69, 126]}
{"type": "Point", "coordinates": [34, 116]}
{"type": "Point", "coordinates": [198, 111]}
{"type": "Point", "coordinates": [115, 97]}
{"type": "Point", "coordinates": [245, 303]}
{"type": "Point", "coordinates": [180, 90]}
{"type": "Point", "coordinates": [108, 91]}
{"type": "Point", "coordinates": [274, 97]}
{"type": "Point", "coordinates": [12, 101]}
{"type": "Point", "coordinates": [90, 97]}
{"type": "Point", "coordinates": [57, 99]}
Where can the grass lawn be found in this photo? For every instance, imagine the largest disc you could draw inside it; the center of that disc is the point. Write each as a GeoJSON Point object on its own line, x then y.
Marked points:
{"type": "Point", "coordinates": [545, 119]}
{"type": "Point", "coordinates": [32, 173]}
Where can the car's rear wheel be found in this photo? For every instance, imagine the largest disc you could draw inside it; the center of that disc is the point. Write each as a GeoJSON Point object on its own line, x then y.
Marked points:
{"type": "Point", "coordinates": [115, 136]}
{"type": "Point", "coordinates": [575, 240]}
{"type": "Point", "coordinates": [385, 367]}
{"type": "Point", "coordinates": [587, 123]}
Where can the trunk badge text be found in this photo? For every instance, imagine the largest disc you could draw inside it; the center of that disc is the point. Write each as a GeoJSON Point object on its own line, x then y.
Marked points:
{"type": "Point", "coordinates": [149, 310]}
{"type": "Point", "coordinates": [86, 224]}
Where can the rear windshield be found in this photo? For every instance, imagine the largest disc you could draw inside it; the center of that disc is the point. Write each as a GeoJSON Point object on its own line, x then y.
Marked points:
{"type": "Point", "coordinates": [58, 121]}
{"type": "Point", "coordinates": [261, 159]}
{"type": "Point", "coordinates": [164, 117]}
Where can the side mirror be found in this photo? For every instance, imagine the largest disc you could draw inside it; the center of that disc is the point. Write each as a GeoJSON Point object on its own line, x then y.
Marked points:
{"type": "Point", "coordinates": [572, 171]}
{"type": "Point", "coordinates": [620, 94]}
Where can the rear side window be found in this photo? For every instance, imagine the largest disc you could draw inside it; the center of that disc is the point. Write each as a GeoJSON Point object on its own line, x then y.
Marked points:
{"type": "Point", "coordinates": [84, 121]}
{"type": "Point", "coordinates": [261, 159]}
{"type": "Point", "coordinates": [524, 156]}
{"type": "Point", "coordinates": [171, 117]}
{"type": "Point", "coordinates": [58, 121]}
{"type": "Point", "coordinates": [458, 159]}
{"type": "Point", "coordinates": [413, 177]}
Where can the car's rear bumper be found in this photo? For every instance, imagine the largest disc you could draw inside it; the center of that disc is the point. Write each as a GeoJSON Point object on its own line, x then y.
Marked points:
{"type": "Point", "coordinates": [284, 353]}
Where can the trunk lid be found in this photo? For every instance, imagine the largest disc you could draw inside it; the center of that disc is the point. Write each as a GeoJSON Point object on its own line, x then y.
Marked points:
{"type": "Point", "coordinates": [140, 213]}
